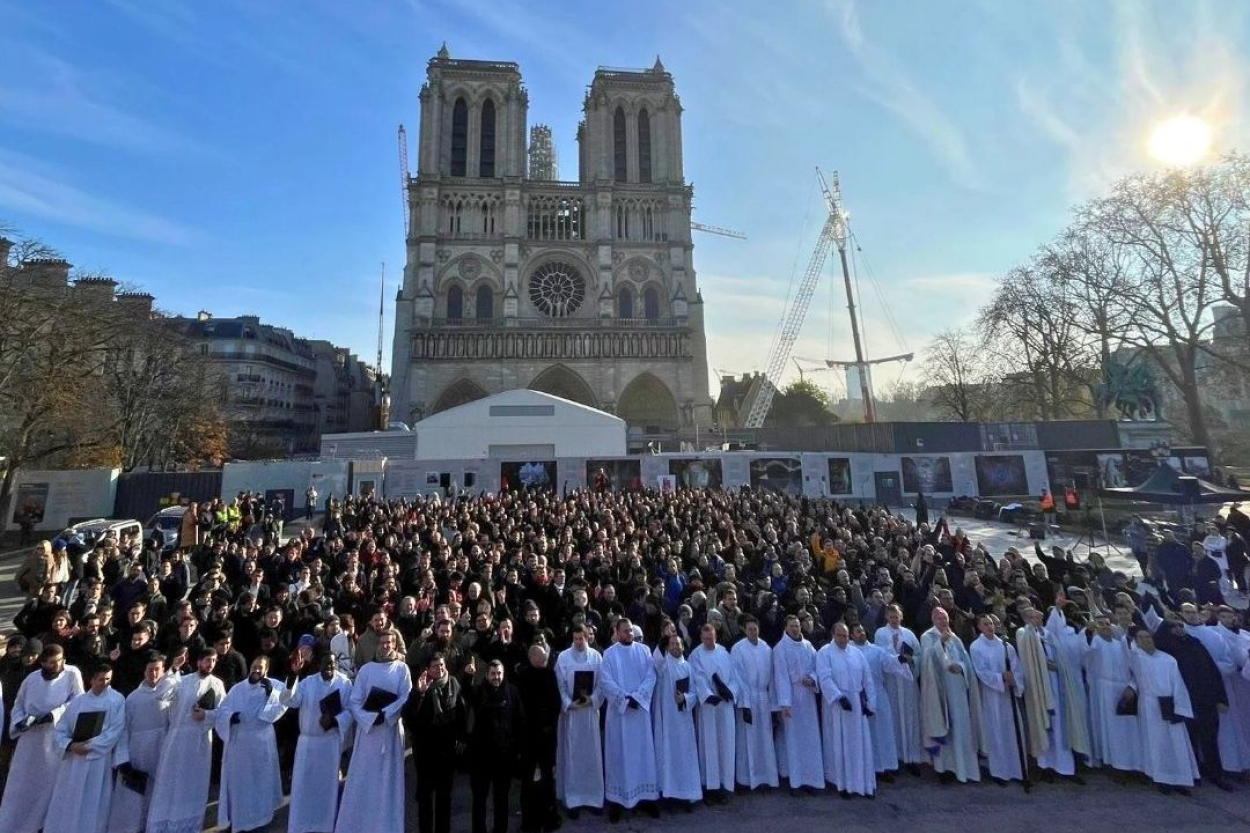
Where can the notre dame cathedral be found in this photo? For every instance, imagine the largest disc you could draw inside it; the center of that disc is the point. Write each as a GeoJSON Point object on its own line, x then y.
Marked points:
{"type": "Point", "coordinates": [515, 279]}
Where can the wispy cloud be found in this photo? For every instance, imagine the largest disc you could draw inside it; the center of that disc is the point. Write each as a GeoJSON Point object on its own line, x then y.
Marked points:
{"type": "Point", "coordinates": [889, 86]}
{"type": "Point", "coordinates": [29, 188]}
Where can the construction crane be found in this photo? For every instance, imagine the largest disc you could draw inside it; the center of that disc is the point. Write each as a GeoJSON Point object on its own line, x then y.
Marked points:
{"type": "Point", "coordinates": [403, 176]}
{"type": "Point", "coordinates": [381, 317]}
{"type": "Point", "coordinates": [723, 232]}
{"type": "Point", "coordinates": [833, 232]}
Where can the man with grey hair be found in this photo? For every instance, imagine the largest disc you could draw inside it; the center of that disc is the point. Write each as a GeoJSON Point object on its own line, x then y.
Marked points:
{"type": "Point", "coordinates": [540, 703]}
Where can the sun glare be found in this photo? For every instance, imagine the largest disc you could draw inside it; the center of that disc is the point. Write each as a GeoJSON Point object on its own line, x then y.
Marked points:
{"type": "Point", "coordinates": [1182, 140]}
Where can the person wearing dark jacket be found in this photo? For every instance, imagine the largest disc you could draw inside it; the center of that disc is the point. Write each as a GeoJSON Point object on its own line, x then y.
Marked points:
{"type": "Point", "coordinates": [540, 699]}
{"type": "Point", "coordinates": [497, 719]}
{"type": "Point", "coordinates": [1174, 561]}
{"type": "Point", "coordinates": [436, 716]}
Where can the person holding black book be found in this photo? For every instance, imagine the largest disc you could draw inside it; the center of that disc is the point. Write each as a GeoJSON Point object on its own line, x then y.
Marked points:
{"type": "Point", "coordinates": [1162, 708]}
{"type": "Point", "coordinates": [672, 718]}
{"type": "Point", "coordinates": [716, 689]}
{"type": "Point", "coordinates": [147, 721]}
{"type": "Point", "coordinates": [794, 681]}
{"type": "Point", "coordinates": [41, 703]}
{"type": "Point", "coordinates": [540, 701]}
{"type": "Point", "coordinates": [251, 784]}
{"type": "Point", "coordinates": [753, 662]}
{"type": "Point", "coordinates": [324, 721]}
{"type": "Point", "coordinates": [627, 678]}
{"type": "Point", "coordinates": [849, 697]}
{"type": "Point", "coordinates": [87, 734]}
{"type": "Point", "coordinates": [436, 717]}
{"type": "Point", "coordinates": [373, 797]}
{"type": "Point", "coordinates": [579, 754]}
{"type": "Point", "coordinates": [494, 746]}
{"type": "Point", "coordinates": [180, 794]}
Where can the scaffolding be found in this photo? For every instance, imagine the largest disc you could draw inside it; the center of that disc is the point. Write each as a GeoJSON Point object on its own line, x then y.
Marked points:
{"type": "Point", "coordinates": [543, 163]}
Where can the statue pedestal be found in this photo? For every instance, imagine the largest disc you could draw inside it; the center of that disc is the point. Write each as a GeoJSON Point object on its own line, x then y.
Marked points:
{"type": "Point", "coordinates": [1143, 435]}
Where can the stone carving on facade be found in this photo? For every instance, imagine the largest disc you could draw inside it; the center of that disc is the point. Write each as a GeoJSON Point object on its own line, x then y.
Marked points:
{"type": "Point", "coordinates": [496, 255]}
{"type": "Point", "coordinates": [492, 344]}
{"type": "Point", "coordinates": [469, 267]}
{"type": "Point", "coordinates": [618, 258]}
{"type": "Point", "coordinates": [660, 257]}
{"type": "Point", "coordinates": [639, 270]}
{"type": "Point", "coordinates": [442, 255]}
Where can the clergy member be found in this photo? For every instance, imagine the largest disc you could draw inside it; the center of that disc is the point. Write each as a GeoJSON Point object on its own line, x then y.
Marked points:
{"type": "Point", "coordinates": [756, 759]}
{"type": "Point", "coordinates": [1048, 701]}
{"type": "Point", "coordinates": [794, 681]}
{"type": "Point", "coordinates": [180, 794]}
{"type": "Point", "coordinates": [672, 718]}
{"type": "Point", "coordinates": [84, 780]}
{"type": "Point", "coordinates": [1112, 708]}
{"type": "Point", "coordinates": [998, 673]}
{"type": "Point", "coordinates": [251, 784]}
{"type": "Point", "coordinates": [628, 679]}
{"type": "Point", "coordinates": [949, 703]}
{"type": "Point", "coordinates": [41, 702]}
{"type": "Point", "coordinates": [881, 723]}
{"type": "Point", "coordinates": [1162, 706]}
{"type": "Point", "coordinates": [579, 756]}
{"type": "Point", "coordinates": [849, 697]}
{"type": "Point", "coordinates": [147, 721]}
{"type": "Point", "coordinates": [324, 723]}
{"type": "Point", "coordinates": [902, 689]}
{"type": "Point", "coordinates": [373, 798]}
{"type": "Point", "coordinates": [715, 684]}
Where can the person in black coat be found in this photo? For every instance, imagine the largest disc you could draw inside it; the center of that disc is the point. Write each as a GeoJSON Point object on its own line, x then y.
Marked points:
{"type": "Point", "coordinates": [1206, 694]}
{"type": "Point", "coordinates": [436, 716]}
{"type": "Point", "coordinates": [496, 720]}
{"type": "Point", "coordinates": [540, 699]}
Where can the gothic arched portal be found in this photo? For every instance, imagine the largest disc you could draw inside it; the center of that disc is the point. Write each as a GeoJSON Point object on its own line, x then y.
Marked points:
{"type": "Point", "coordinates": [647, 403]}
{"type": "Point", "coordinates": [460, 392]}
{"type": "Point", "coordinates": [564, 383]}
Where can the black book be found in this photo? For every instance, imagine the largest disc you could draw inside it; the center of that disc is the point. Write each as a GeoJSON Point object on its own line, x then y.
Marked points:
{"type": "Point", "coordinates": [583, 684]}
{"type": "Point", "coordinates": [683, 687]}
{"type": "Point", "coordinates": [1127, 705]}
{"type": "Point", "coordinates": [1167, 709]}
{"type": "Point", "coordinates": [208, 700]}
{"type": "Point", "coordinates": [907, 650]}
{"type": "Point", "coordinates": [332, 704]}
{"type": "Point", "coordinates": [722, 690]}
{"type": "Point", "coordinates": [379, 699]}
{"type": "Point", "coordinates": [134, 779]}
{"type": "Point", "coordinates": [87, 726]}
{"type": "Point", "coordinates": [863, 704]}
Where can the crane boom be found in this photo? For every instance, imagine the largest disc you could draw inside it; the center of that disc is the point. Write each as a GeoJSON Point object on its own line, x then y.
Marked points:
{"type": "Point", "coordinates": [723, 232]}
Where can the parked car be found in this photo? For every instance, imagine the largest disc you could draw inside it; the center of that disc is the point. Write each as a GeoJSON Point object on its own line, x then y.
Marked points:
{"type": "Point", "coordinates": [93, 530]}
{"type": "Point", "coordinates": [168, 522]}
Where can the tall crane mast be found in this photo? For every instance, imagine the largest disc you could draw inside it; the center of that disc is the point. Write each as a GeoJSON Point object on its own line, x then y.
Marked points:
{"type": "Point", "coordinates": [833, 232]}
{"type": "Point", "coordinates": [403, 177]}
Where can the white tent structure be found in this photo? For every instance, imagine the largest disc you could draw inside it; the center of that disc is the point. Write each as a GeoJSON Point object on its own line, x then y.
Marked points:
{"type": "Point", "coordinates": [520, 424]}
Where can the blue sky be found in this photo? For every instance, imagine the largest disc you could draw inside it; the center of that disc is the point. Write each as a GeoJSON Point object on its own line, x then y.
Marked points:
{"type": "Point", "coordinates": [239, 155]}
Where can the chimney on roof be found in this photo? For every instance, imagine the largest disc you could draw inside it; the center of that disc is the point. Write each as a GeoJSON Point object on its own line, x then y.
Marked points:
{"type": "Point", "coordinates": [98, 289]}
{"type": "Point", "coordinates": [203, 315]}
{"type": "Point", "coordinates": [46, 272]}
{"type": "Point", "coordinates": [6, 246]}
{"type": "Point", "coordinates": [139, 302]}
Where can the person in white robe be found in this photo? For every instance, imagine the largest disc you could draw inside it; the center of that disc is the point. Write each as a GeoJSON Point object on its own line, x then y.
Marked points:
{"type": "Point", "coordinates": [1234, 732]}
{"type": "Point", "coordinates": [1002, 683]}
{"type": "Point", "coordinates": [672, 718]}
{"type": "Point", "coordinates": [1167, 755]}
{"type": "Point", "coordinates": [373, 797]}
{"type": "Point", "coordinates": [627, 677]}
{"type": "Point", "coordinates": [881, 722]}
{"type": "Point", "coordinates": [797, 692]}
{"type": "Point", "coordinates": [848, 693]}
{"type": "Point", "coordinates": [322, 737]}
{"type": "Point", "coordinates": [180, 794]}
{"type": "Point", "coordinates": [714, 677]}
{"type": "Point", "coordinates": [147, 720]}
{"type": "Point", "coordinates": [1108, 672]}
{"type": "Point", "coordinates": [902, 689]}
{"type": "Point", "coordinates": [756, 759]}
{"type": "Point", "coordinates": [84, 781]}
{"type": "Point", "coordinates": [950, 703]}
{"type": "Point", "coordinates": [1050, 706]}
{"type": "Point", "coordinates": [251, 783]}
{"type": "Point", "coordinates": [42, 700]}
{"type": "Point", "coordinates": [579, 746]}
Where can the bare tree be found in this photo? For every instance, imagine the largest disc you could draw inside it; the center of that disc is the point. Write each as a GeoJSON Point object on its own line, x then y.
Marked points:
{"type": "Point", "coordinates": [957, 370]}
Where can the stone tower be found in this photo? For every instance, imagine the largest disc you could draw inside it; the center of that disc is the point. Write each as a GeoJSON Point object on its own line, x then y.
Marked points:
{"type": "Point", "coordinates": [585, 289]}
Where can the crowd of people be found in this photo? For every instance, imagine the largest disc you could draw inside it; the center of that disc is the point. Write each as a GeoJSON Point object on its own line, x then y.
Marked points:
{"type": "Point", "coordinates": [627, 651]}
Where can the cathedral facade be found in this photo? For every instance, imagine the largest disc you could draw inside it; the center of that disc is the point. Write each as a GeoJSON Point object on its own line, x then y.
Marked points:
{"type": "Point", "coordinates": [583, 289]}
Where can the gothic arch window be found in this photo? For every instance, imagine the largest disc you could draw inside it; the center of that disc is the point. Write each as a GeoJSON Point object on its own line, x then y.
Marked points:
{"type": "Point", "coordinates": [485, 303]}
{"type": "Point", "coordinates": [644, 146]}
{"type": "Point", "coordinates": [486, 149]}
{"type": "Point", "coordinates": [651, 303]}
{"type": "Point", "coordinates": [459, 137]}
{"type": "Point", "coordinates": [625, 304]}
{"type": "Point", "coordinates": [455, 303]}
{"type": "Point", "coordinates": [619, 145]}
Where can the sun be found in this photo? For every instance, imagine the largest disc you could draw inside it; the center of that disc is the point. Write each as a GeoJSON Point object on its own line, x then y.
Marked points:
{"type": "Point", "coordinates": [1181, 140]}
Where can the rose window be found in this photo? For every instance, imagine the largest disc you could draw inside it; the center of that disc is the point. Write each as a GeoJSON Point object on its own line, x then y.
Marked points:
{"type": "Point", "coordinates": [557, 289]}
